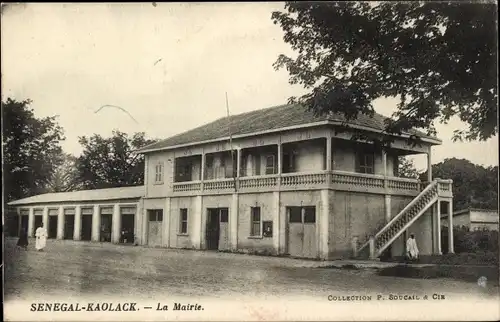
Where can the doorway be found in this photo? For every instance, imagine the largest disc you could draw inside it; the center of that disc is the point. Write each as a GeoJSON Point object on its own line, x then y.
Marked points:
{"type": "Point", "coordinates": [155, 224]}
{"type": "Point", "coordinates": [217, 230]}
{"type": "Point", "coordinates": [69, 226]}
{"type": "Point", "coordinates": [127, 231]}
{"type": "Point", "coordinates": [38, 222]}
{"type": "Point", "coordinates": [24, 222]}
{"type": "Point", "coordinates": [52, 229]}
{"type": "Point", "coordinates": [86, 233]}
{"type": "Point", "coordinates": [302, 240]}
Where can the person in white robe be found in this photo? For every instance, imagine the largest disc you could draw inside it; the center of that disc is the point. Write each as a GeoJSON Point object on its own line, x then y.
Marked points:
{"type": "Point", "coordinates": [41, 238]}
{"type": "Point", "coordinates": [411, 247]}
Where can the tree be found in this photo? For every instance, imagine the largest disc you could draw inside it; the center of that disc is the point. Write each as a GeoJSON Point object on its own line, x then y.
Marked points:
{"type": "Point", "coordinates": [407, 169]}
{"type": "Point", "coordinates": [110, 162]}
{"type": "Point", "coordinates": [31, 149]}
{"type": "Point", "coordinates": [351, 53]}
{"type": "Point", "coordinates": [473, 185]}
{"type": "Point", "coordinates": [65, 177]}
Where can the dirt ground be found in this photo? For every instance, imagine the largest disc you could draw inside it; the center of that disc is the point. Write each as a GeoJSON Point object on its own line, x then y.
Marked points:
{"type": "Point", "coordinates": [82, 269]}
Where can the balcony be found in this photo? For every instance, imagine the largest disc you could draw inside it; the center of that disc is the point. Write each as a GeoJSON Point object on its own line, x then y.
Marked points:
{"type": "Point", "coordinates": [337, 180]}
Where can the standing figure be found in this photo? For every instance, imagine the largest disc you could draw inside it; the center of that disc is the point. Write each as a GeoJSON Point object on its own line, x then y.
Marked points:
{"type": "Point", "coordinates": [41, 238]}
{"type": "Point", "coordinates": [23, 239]}
{"type": "Point", "coordinates": [411, 248]}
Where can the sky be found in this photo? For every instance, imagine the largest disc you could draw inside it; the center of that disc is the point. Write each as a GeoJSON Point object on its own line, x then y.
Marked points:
{"type": "Point", "coordinates": [168, 65]}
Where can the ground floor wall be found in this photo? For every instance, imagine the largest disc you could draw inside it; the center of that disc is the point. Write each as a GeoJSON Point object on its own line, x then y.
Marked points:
{"type": "Point", "coordinates": [315, 224]}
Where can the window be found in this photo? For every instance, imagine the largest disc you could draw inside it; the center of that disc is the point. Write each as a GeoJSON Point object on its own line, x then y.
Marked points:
{"type": "Point", "coordinates": [289, 162]}
{"type": "Point", "coordinates": [183, 170]}
{"type": "Point", "coordinates": [159, 173]}
{"type": "Point", "coordinates": [270, 164]}
{"type": "Point", "coordinates": [365, 163]}
{"type": "Point", "coordinates": [209, 167]}
{"type": "Point", "coordinates": [155, 215]}
{"type": "Point", "coordinates": [183, 222]}
{"type": "Point", "coordinates": [295, 215]}
{"type": "Point", "coordinates": [309, 215]}
{"type": "Point", "coordinates": [224, 214]}
{"type": "Point", "coordinates": [255, 221]}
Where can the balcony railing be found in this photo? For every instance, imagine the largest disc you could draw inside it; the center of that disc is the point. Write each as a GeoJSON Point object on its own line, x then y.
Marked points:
{"type": "Point", "coordinates": [338, 180]}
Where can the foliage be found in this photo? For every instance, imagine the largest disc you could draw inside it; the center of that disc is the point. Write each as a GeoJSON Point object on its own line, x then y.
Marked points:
{"type": "Point", "coordinates": [110, 162]}
{"type": "Point", "coordinates": [65, 177]}
{"type": "Point", "coordinates": [465, 241]}
{"type": "Point", "coordinates": [407, 169]}
{"type": "Point", "coordinates": [31, 149]}
{"type": "Point", "coordinates": [473, 185]}
{"type": "Point", "coordinates": [351, 53]}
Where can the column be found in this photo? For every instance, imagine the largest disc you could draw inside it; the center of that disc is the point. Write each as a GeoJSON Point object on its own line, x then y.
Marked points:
{"type": "Point", "coordinates": [19, 221]}
{"type": "Point", "coordinates": [197, 220]}
{"type": "Point", "coordinates": [202, 175]}
{"type": "Point", "coordinates": [45, 218]}
{"type": "Point", "coordinates": [31, 222]}
{"type": "Point", "coordinates": [276, 221]}
{"type": "Point", "coordinates": [96, 224]}
{"type": "Point", "coordinates": [429, 165]}
{"type": "Point", "coordinates": [329, 152]}
{"type": "Point", "coordinates": [451, 247]}
{"type": "Point", "coordinates": [388, 213]}
{"type": "Point", "coordinates": [438, 227]}
{"type": "Point", "coordinates": [238, 162]}
{"type": "Point", "coordinates": [78, 223]}
{"type": "Point", "coordinates": [384, 164]}
{"type": "Point", "coordinates": [116, 224]}
{"type": "Point", "coordinates": [233, 222]}
{"type": "Point", "coordinates": [324, 224]}
{"type": "Point", "coordinates": [166, 223]}
{"type": "Point", "coordinates": [138, 222]}
{"type": "Point", "coordinates": [145, 226]}
{"type": "Point", "coordinates": [60, 223]}
{"type": "Point", "coordinates": [280, 165]}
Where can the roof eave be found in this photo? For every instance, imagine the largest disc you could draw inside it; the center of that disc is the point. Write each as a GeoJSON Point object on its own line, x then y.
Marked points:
{"type": "Point", "coordinates": [144, 150]}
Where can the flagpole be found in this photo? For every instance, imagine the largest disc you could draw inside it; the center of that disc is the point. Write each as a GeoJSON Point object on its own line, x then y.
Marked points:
{"type": "Point", "coordinates": [231, 143]}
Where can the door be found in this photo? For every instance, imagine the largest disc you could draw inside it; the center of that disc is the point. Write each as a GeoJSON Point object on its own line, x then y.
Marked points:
{"type": "Point", "coordinates": [52, 229]}
{"type": "Point", "coordinates": [127, 232]}
{"type": "Point", "coordinates": [223, 228]}
{"type": "Point", "coordinates": [213, 229]}
{"type": "Point", "coordinates": [155, 224]}
{"type": "Point", "coordinates": [69, 226]}
{"type": "Point", "coordinates": [302, 241]}
{"type": "Point", "coordinates": [106, 226]}
{"type": "Point", "coordinates": [38, 221]}
{"type": "Point", "coordinates": [86, 232]}
{"type": "Point", "coordinates": [24, 222]}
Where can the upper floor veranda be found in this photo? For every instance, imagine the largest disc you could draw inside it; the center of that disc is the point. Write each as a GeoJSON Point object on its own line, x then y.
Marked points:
{"type": "Point", "coordinates": [299, 157]}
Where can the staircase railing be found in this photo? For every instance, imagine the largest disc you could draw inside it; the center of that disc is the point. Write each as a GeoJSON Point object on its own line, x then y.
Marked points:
{"type": "Point", "coordinates": [397, 225]}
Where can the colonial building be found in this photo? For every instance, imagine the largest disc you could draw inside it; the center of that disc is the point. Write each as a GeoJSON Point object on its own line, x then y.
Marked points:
{"type": "Point", "coordinates": [283, 181]}
{"type": "Point", "coordinates": [473, 219]}
{"type": "Point", "coordinates": [101, 215]}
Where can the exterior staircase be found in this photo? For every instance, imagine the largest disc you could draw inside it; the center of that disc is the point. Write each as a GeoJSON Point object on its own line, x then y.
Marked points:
{"type": "Point", "coordinates": [378, 243]}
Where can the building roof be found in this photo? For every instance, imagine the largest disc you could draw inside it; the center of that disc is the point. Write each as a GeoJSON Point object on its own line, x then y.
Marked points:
{"type": "Point", "coordinates": [268, 119]}
{"type": "Point", "coordinates": [467, 211]}
{"type": "Point", "coordinates": [135, 192]}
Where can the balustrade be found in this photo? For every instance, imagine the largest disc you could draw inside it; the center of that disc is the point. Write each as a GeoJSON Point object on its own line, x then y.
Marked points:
{"type": "Point", "coordinates": [312, 180]}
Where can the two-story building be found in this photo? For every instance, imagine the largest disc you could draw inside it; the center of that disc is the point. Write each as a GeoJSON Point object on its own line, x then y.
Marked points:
{"type": "Point", "coordinates": [284, 181]}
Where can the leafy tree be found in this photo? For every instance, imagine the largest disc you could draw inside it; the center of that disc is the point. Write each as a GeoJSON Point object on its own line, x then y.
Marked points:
{"type": "Point", "coordinates": [438, 58]}
{"type": "Point", "coordinates": [66, 176]}
{"type": "Point", "coordinates": [31, 149]}
{"type": "Point", "coordinates": [473, 185]}
{"type": "Point", "coordinates": [407, 169]}
{"type": "Point", "coordinates": [110, 162]}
